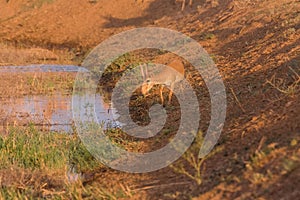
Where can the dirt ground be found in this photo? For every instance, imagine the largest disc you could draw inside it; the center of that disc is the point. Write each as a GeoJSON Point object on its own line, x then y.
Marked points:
{"type": "Point", "coordinates": [256, 47]}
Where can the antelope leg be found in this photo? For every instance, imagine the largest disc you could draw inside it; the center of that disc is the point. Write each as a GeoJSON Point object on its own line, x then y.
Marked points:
{"type": "Point", "coordinates": [183, 5]}
{"type": "Point", "coordinates": [171, 93]}
{"type": "Point", "coordinates": [161, 95]}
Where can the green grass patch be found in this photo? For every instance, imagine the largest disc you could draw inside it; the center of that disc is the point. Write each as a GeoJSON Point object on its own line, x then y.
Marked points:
{"type": "Point", "coordinates": [30, 148]}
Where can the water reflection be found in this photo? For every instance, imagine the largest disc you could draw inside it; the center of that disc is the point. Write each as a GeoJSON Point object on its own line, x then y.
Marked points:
{"type": "Point", "coordinates": [50, 112]}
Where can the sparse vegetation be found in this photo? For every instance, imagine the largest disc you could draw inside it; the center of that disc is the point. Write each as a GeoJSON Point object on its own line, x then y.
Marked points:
{"type": "Point", "coordinates": [261, 172]}
{"type": "Point", "coordinates": [191, 165]}
{"type": "Point", "coordinates": [36, 4]}
{"type": "Point", "coordinates": [280, 85]}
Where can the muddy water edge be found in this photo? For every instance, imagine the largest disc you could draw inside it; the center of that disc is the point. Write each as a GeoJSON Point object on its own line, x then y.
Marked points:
{"type": "Point", "coordinates": [40, 95]}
